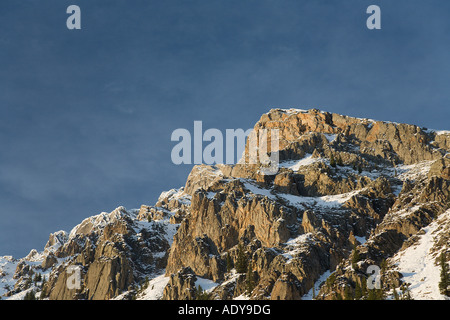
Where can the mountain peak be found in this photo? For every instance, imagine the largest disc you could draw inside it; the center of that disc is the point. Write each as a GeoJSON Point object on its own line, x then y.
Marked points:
{"type": "Point", "coordinates": [350, 195]}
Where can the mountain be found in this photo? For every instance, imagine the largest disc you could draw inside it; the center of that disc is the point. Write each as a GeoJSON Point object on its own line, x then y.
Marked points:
{"type": "Point", "coordinates": [359, 209]}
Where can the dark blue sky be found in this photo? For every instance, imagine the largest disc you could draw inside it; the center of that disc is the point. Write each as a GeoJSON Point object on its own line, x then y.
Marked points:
{"type": "Point", "coordinates": [86, 115]}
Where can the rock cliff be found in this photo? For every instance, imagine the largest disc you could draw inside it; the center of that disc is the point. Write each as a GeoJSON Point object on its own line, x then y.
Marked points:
{"type": "Point", "coordinates": [349, 194]}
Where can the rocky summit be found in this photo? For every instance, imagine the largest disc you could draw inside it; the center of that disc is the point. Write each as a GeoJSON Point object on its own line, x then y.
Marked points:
{"type": "Point", "coordinates": [359, 209]}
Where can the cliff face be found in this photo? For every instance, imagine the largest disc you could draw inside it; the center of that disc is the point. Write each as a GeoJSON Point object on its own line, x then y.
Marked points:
{"type": "Point", "coordinates": [344, 185]}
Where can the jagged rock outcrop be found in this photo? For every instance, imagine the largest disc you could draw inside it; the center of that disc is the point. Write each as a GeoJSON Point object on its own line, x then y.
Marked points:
{"type": "Point", "coordinates": [49, 261]}
{"type": "Point", "coordinates": [112, 252]}
{"type": "Point", "coordinates": [181, 285]}
{"type": "Point", "coordinates": [286, 287]}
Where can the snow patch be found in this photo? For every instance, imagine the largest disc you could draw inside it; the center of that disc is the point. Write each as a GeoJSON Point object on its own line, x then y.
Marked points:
{"type": "Point", "coordinates": [8, 266]}
{"type": "Point", "coordinates": [98, 221]}
{"type": "Point", "coordinates": [330, 137]}
{"type": "Point", "coordinates": [295, 165]}
{"type": "Point", "coordinates": [329, 201]}
{"type": "Point", "coordinates": [242, 297]}
{"type": "Point", "coordinates": [175, 194]}
{"type": "Point", "coordinates": [315, 289]}
{"type": "Point", "coordinates": [361, 240]}
{"type": "Point", "coordinates": [437, 132]}
{"type": "Point", "coordinates": [290, 110]}
{"type": "Point", "coordinates": [414, 171]}
{"type": "Point", "coordinates": [155, 288]}
{"type": "Point", "coordinates": [294, 245]}
{"type": "Point", "coordinates": [210, 195]}
{"type": "Point", "coordinates": [257, 190]}
{"type": "Point", "coordinates": [206, 284]}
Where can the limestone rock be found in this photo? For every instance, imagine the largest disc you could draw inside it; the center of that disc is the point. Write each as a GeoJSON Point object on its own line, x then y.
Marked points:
{"type": "Point", "coordinates": [181, 285]}
{"type": "Point", "coordinates": [49, 261]}
{"type": "Point", "coordinates": [286, 287]}
{"type": "Point", "coordinates": [113, 251]}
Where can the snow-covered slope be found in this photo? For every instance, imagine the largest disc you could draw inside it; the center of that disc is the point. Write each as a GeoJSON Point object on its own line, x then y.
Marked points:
{"type": "Point", "coordinates": [419, 263]}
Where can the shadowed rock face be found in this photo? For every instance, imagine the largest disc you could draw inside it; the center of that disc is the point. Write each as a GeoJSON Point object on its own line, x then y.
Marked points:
{"type": "Point", "coordinates": [112, 252]}
{"type": "Point", "coordinates": [343, 183]}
